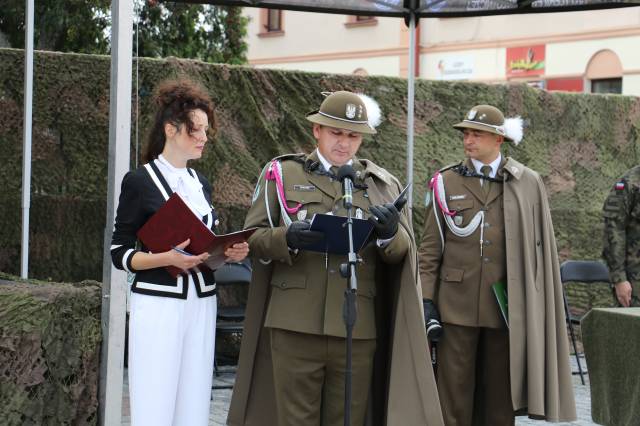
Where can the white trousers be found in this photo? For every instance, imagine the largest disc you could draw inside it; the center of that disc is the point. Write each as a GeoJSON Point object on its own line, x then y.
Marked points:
{"type": "Point", "coordinates": [171, 349]}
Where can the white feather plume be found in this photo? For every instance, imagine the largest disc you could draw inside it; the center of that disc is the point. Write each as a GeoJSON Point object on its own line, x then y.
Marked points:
{"type": "Point", "coordinates": [374, 114]}
{"type": "Point", "coordinates": [513, 129]}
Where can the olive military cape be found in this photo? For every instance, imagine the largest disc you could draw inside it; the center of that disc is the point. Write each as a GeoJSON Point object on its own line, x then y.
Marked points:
{"type": "Point", "coordinates": [541, 384]}
{"type": "Point", "coordinates": [541, 380]}
{"type": "Point", "coordinates": [403, 386]}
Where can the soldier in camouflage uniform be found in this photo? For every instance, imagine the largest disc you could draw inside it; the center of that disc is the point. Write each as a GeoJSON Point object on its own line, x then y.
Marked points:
{"type": "Point", "coordinates": [622, 238]}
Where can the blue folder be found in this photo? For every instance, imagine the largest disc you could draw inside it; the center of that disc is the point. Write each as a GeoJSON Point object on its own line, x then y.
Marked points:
{"type": "Point", "coordinates": [336, 234]}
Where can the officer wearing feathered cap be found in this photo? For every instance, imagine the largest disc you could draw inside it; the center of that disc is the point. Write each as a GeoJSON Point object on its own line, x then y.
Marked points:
{"type": "Point", "coordinates": [292, 360]}
{"type": "Point", "coordinates": [488, 232]}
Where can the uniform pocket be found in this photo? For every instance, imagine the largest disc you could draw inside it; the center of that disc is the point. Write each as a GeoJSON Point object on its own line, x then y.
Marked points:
{"type": "Point", "coordinates": [286, 279]}
{"type": "Point", "coordinates": [452, 275]}
{"type": "Point", "coordinates": [460, 205]}
{"type": "Point", "coordinates": [304, 197]}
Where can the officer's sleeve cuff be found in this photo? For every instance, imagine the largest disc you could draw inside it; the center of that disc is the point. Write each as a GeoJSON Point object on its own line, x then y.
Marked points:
{"type": "Point", "coordinates": [618, 277]}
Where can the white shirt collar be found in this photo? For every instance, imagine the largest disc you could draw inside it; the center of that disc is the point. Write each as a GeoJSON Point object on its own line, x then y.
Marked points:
{"type": "Point", "coordinates": [326, 164]}
{"type": "Point", "coordinates": [170, 167]}
{"type": "Point", "coordinates": [189, 187]}
{"type": "Point", "coordinates": [494, 165]}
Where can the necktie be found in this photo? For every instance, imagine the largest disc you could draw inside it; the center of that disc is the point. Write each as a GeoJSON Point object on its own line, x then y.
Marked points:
{"type": "Point", "coordinates": [334, 170]}
{"type": "Point", "coordinates": [486, 184]}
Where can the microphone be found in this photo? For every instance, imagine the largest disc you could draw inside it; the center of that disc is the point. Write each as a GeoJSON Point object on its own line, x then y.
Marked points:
{"type": "Point", "coordinates": [346, 175]}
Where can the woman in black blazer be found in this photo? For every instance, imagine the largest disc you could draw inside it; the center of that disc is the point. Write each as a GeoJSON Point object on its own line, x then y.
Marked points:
{"type": "Point", "coordinates": [172, 320]}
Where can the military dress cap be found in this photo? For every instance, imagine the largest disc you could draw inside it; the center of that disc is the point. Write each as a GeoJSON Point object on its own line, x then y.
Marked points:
{"type": "Point", "coordinates": [486, 118]}
{"type": "Point", "coordinates": [343, 110]}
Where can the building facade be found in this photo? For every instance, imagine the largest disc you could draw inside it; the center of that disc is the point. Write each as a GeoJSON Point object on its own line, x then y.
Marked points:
{"type": "Point", "coordinates": [590, 51]}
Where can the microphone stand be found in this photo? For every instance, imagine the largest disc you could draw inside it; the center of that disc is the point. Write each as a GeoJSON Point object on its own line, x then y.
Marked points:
{"type": "Point", "coordinates": [349, 309]}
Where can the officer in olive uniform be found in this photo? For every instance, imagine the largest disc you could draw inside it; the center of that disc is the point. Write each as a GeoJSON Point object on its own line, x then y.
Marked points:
{"type": "Point", "coordinates": [622, 237]}
{"type": "Point", "coordinates": [462, 255]}
{"type": "Point", "coordinates": [304, 312]}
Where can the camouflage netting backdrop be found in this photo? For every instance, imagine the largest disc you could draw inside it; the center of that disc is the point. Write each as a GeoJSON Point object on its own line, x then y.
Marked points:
{"type": "Point", "coordinates": [49, 352]}
{"type": "Point", "coordinates": [579, 143]}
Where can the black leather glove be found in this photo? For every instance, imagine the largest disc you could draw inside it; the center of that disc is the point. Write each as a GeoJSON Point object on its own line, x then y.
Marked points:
{"type": "Point", "coordinates": [432, 320]}
{"type": "Point", "coordinates": [385, 220]}
{"type": "Point", "coordinates": [299, 236]}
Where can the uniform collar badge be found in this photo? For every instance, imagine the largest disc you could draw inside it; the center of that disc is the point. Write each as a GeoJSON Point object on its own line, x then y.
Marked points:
{"type": "Point", "coordinates": [301, 215]}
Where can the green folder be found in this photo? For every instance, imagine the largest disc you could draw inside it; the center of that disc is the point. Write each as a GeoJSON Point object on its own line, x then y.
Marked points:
{"type": "Point", "coordinates": [500, 291]}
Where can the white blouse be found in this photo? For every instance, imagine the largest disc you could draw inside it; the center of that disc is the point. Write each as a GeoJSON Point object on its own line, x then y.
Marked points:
{"type": "Point", "coordinates": [187, 186]}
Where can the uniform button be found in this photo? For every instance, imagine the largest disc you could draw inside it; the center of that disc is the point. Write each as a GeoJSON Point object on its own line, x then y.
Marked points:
{"type": "Point", "coordinates": [487, 242]}
{"type": "Point", "coordinates": [332, 271]}
{"type": "Point", "coordinates": [283, 285]}
{"type": "Point", "coordinates": [486, 260]}
{"type": "Point", "coordinates": [486, 225]}
{"type": "Point", "coordinates": [538, 243]}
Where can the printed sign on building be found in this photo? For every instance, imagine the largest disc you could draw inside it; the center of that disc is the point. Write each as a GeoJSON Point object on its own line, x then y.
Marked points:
{"type": "Point", "coordinates": [525, 61]}
{"type": "Point", "coordinates": [456, 68]}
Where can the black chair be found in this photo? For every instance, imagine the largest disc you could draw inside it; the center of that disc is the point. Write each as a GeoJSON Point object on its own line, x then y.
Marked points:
{"type": "Point", "coordinates": [230, 319]}
{"type": "Point", "coordinates": [584, 271]}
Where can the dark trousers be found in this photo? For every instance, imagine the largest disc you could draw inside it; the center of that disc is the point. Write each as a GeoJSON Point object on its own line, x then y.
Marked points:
{"type": "Point", "coordinates": [308, 373]}
{"type": "Point", "coordinates": [473, 377]}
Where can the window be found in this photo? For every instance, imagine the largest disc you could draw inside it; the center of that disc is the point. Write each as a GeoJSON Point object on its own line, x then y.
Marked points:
{"type": "Point", "coordinates": [606, 85]}
{"type": "Point", "coordinates": [271, 23]}
{"type": "Point", "coordinates": [605, 72]}
{"type": "Point", "coordinates": [274, 20]}
{"type": "Point", "coordinates": [360, 21]}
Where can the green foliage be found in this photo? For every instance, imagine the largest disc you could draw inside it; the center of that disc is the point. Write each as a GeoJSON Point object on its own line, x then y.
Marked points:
{"type": "Point", "coordinates": [208, 33]}
{"type": "Point", "coordinates": [49, 352]}
{"type": "Point", "coordinates": [68, 26]}
{"type": "Point", "coordinates": [578, 143]}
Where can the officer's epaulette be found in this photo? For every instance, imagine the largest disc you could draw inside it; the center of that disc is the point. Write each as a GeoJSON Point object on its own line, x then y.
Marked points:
{"type": "Point", "coordinates": [379, 172]}
{"type": "Point", "coordinates": [299, 158]}
{"type": "Point", "coordinates": [450, 166]}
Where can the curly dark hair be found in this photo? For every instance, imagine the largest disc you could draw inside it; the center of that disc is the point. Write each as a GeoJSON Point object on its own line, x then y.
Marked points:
{"type": "Point", "coordinates": [175, 100]}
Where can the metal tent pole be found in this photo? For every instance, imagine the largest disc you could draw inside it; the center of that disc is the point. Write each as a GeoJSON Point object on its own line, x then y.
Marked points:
{"type": "Point", "coordinates": [410, 99]}
{"type": "Point", "coordinates": [114, 289]}
{"type": "Point", "coordinates": [26, 138]}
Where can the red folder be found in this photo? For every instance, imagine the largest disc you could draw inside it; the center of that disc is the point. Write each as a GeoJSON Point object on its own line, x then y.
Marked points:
{"type": "Point", "coordinates": [174, 222]}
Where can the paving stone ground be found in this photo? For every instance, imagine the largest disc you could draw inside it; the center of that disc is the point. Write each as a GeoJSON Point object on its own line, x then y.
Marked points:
{"type": "Point", "coordinates": [222, 397]}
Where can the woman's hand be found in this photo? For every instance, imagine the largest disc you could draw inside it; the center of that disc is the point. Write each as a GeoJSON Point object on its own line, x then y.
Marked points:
{"type": "Point", "coordinates": [237, 252]}
{"type": "Point", "coordinates": [183, 261]}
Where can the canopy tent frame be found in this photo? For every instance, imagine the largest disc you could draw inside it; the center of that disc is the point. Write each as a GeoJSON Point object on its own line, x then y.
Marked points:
{"type": "Point", "coordinates": [114, 289]}
{"type": "Point", "coordinates": [114, 282]}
